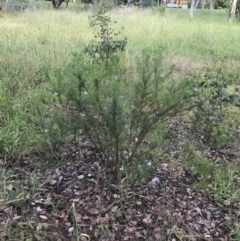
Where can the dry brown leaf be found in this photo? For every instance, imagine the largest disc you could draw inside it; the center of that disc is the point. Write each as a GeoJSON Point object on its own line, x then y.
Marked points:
{"type": "Point", "coordinates": [53, 182]}
{"type": "Point", "coordinates": [37, 237]}
{"type": "Point", "coordinates": [39, 227]}
{"type": "Point", "coordinates": [114, 209]}
{"type": "Point", "coordinates": [145, 232]}
{"type": "Point", "coordinates": [168, 231]}
{"type": "Point", "coordinates": [2, 227]}
{"type": "Point", "coordinates": [147, 219]}
{"type": "Point", "coordinates": [62, 215]}
{"type": "Point", "coordinates": [139, 235]}
{"type": "Point", "coordinates": [157, 229]}
{"type": "Point", "coordinates": [45, 225]}
{"type": "Point", "coordinates": [3, 208]}
{"type": "Point", "coordinates": [130, 230]}
{"type": "Point", "coordinates": [7, 210]}
{"type": "Point", "coordinates": [105, 219]}
{"type": "Point", "coordinates": [78, 217]}
{"type": "Point", "coordinates": [154, 182]}
{"type": "Point", "coordinates": [157, 236]}
{"type": "Point", "coordinates": [17, 217]}
{"type": "Point", "coordinates": [198, 210]}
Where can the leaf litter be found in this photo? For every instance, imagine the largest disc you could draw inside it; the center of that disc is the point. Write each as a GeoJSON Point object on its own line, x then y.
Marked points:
{"type": "Point", "coordinates": [77, 201]}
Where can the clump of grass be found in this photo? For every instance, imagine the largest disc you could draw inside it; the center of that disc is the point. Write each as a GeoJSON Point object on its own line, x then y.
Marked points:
{"type": "Point", "coordinates": [210, 175]}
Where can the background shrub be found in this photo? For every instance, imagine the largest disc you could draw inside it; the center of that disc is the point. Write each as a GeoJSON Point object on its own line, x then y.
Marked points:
{"type": "Point", "coordinates": [20, 5]}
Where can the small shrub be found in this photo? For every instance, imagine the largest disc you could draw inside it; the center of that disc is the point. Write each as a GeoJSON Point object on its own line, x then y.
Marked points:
{"type": "Point", "coordinates": [161, 9]}
{"type": "Point", "coordinates": [20, 5]}
{"type": "Point", "coordinates": [214, 94]}
{"type": "Point", "coordinates": [123, 115]}
{"type": "Point", "coordinates": [107, 45]}
{"type": "Point", "coordinates": [222, 4]}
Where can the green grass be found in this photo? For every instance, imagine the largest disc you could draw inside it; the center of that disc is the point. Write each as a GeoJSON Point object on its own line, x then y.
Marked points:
{"type": "Point", "coordinates": [200, 38]}
{"type": "Point", "coordinates": [222, 181]}
{"type": "Point", "coordinates": [33, 44]}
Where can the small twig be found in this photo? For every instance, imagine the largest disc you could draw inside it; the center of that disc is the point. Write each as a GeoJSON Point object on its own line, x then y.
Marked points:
{"type": "Point", "coordinates": [98, 178]}
{"type": "Point", "coordinates": [136, 194]}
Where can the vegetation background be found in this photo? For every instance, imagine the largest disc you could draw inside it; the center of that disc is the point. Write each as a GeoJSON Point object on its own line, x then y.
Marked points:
{"type": "Point", "coordinates": [39, 51]}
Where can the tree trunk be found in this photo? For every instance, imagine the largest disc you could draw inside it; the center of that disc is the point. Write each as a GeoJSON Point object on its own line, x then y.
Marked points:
{"type": "Point", "coordinates": [1, 6]}
{"type": "Point", "coordinates": [203, 4]}
{"type": "Point", "coordinates": [232, 10]}
{"type": "Point", "coordinates": [192, 9]}
{"type": "Point", "coordinates": [196, 3]}
{"type": "Point", "coordinates": [211, 5]}
{"type": "Point", "coordinates": [129, 2]}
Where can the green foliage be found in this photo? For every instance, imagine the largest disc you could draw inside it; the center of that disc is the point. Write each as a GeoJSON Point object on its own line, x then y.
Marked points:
{"type": "Point", "coordinates": [20, 5]}
{"type": "Point", "coordinates": [52, 129]}
{"type": "Point", "coordinates": [201, 168]}
{"type": "Point", "coordinates": [214, 95]}
{"type": "Point", "coordinates": [210, 175]}
{"type": "Point", "coordinates": [236, 232]}
{"type": "Point", "coordinates": [161, 9]}
{"type": "Point", "coordinates": [15, 126]}
{"type": "Point", "coordinates": [224, 184]}
{"type": "Point", "coordinates": [106, 45]}
{"type": "Point", "coordinates": [222, 4]}
{"type": "Point", "coordinates": [120, 114]}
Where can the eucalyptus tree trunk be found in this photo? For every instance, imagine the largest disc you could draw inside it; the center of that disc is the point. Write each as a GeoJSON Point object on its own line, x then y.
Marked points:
{"type": "Point", "coordinates": [196, 4]}
{"type": "Point", "coordinates": [211, 5]}
{"type": "Point", "coordinates": [203, 4]}
{"type": "Point", "coordinates": [1, 6]}
{"type": "Point", "coordinates": [232, 10]}
{"type": "Point", "coordinates": [129, 2]}
{"type": "Point", "coordinates": [192, 9]}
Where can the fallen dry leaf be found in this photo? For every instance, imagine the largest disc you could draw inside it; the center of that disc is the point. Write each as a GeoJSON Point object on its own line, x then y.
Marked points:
{"type": "Point", "coordinates": [114, 209]}
{"type": "Point", "coordinates": [2, 227]}
{"type": "Point", "coordinates": [147, 219]}
{"type": "Point", "coordinates": [198, 210]}
{"type": "Point", "coordinates": [39, 227]}
{"type": "Point", "coordinates": [139, 235]}
{"type": "Point", "coordinates": [157, 229]}
{"type": "Point", "coordinates": [43, 217]}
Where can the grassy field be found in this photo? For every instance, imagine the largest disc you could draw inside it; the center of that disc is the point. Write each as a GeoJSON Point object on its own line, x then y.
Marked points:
{"type": "Point", "coordinates": [34, 44]}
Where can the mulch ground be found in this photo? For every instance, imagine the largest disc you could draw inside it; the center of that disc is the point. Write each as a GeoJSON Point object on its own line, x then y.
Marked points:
{"type": "Point", "coordinates": [77, 200]}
